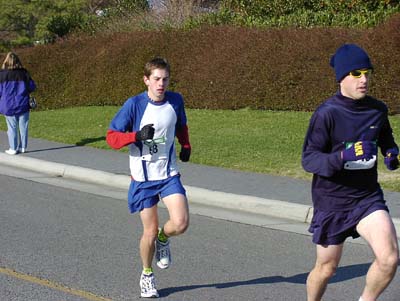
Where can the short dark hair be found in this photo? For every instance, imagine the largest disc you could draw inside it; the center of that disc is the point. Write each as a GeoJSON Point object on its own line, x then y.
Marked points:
{"type": "Point", "coordinates": [156, 63]}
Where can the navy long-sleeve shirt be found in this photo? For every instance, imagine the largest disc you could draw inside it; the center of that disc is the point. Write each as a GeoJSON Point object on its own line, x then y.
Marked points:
{"type": "Point", "coordinates": [336, 122]}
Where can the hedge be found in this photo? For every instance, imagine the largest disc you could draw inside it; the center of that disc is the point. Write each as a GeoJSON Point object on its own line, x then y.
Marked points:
{"type": "Point", "coordinates": [221, 67]}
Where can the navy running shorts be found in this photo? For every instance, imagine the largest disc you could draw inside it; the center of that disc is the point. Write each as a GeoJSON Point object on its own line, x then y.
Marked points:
{"type": "Point", "coordinates": [333, 227]}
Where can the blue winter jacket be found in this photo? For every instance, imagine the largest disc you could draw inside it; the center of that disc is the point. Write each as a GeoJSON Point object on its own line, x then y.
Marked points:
{"type": "Point", "coordinates": [15, 86]}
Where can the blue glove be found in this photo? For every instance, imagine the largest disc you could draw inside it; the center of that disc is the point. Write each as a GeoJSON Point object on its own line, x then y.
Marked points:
{"type": "Point", "coordinates": [360, 150]}
{"type": "Point", "coordinates": [391, 159]}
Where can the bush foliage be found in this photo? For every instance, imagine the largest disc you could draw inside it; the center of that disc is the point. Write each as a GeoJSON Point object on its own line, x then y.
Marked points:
{"type": "Point", "coordinates": [28, 22]}
{"type": "Point", "coordinates": [223, 67]}
{"type": "Point", "coordinates": [274, 8]}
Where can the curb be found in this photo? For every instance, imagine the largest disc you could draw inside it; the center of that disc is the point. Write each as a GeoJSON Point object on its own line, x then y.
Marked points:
{"type": "Point", "coordinates": [249, 204]}
{"type": "Point", "coordinates": [246, 203]}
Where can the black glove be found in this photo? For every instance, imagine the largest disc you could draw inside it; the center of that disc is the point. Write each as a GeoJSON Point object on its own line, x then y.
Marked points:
{"type": "Point", "coordinates": [146, 133]}
{"type": "Point", "coordinates": [184, 155]}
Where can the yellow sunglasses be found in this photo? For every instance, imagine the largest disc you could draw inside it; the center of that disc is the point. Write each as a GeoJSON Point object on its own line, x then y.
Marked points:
{"type": "Point", "coordinates": [359, 73]}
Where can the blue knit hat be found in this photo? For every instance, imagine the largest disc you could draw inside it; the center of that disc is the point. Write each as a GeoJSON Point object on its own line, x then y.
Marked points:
{"type": "Point", "coordinates": [347, 58]}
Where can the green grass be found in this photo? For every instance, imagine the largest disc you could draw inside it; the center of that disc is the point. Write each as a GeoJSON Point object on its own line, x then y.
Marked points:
{"type": "Point", "coordinates": [258, 141]}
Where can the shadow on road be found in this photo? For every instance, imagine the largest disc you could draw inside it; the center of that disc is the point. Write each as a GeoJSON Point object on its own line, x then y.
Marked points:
{"type": "Point", "coordinates": [51, 149]}
{"type": "Point", "coordinates": [90, 140]}
{"type": "Point", "coordinates": [342, 274]}
{"type": "Point", "coordinates": [83, 142]}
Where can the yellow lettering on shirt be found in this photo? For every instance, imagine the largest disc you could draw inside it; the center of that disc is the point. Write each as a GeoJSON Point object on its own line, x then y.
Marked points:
{"type": "Point", "coordinates": [358, 148]}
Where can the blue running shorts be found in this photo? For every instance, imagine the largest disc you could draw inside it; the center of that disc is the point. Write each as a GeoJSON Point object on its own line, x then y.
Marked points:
{"type": "Point", "coordinates": [147, 194]}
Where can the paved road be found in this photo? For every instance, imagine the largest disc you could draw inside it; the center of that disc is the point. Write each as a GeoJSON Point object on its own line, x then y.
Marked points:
{"type": "Point", "coordinates": [66, 241]}
{"type": "Point", "coordinates": [256, 193]}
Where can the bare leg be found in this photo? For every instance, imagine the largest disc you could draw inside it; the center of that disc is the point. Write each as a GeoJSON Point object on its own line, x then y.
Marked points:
{"type": "Point", "coordinates": [178, 214]}
{"type": "Point", "coordinates": [149, 217]}
{"type": "Point", "coordinates": [328, 258]}
{"type": "Point", "coordinates": [378, 230]}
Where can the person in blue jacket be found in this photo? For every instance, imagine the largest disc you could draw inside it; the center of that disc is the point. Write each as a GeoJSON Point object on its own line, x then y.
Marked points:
{"type": "Point", "coordinates": [341, 150]}
{"type": "Point", "coordinates": [148, 124]}
{"type": "Point", "coordinates": [15, 86]}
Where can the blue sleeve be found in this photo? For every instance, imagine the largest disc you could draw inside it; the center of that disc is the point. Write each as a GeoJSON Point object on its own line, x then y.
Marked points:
{"type": "Point", "coordinates": [317, 156]}
{"type": "Point", "coordinates": [123, 120]}
{"type": "Point", "coordinates": [182, 120]}
{"type": "Point", "coordinates": [32, 86]}
{"type": "Point", "coordinates": [180, 112]}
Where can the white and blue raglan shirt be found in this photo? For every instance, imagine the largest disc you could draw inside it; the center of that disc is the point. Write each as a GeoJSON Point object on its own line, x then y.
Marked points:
{"type": "Point", "coordinates": [155, 159]}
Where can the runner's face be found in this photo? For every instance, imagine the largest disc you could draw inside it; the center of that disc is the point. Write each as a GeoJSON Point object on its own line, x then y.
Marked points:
{"type": "Point", "coordinates": [157, 84]}
{"type": "Point", "coordinates": [355, 88]}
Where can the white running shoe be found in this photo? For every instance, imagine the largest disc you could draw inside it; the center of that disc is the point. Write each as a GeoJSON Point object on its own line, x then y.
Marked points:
{"type": "Point", "coordinates": [148, 286]}
{"type": "Point", "coordinates": [22, 150]}
{"type": "Point", "coordinates": [163, 254]}
{"type": "Point", "coordinates": [11, 151]}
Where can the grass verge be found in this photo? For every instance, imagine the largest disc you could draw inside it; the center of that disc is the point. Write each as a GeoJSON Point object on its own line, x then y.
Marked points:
{"type": "Point", "coordinates": [257, 141]}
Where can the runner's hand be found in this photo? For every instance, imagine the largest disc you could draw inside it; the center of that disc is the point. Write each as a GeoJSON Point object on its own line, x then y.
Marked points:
{"type": "Point", "coordinates": [146, 133]}
{"type": "Point", "coordinates": [360, 150]}
{"type": "Point", "coordinates": [391, 160]}
{"type": "Point", "coordinates": [184, 154]}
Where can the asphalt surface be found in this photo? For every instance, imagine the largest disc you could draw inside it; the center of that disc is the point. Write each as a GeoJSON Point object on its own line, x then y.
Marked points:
{"type": "Point", "coordinates": [59, 243]}
{"type": "Point", "coordinates": [261, 194]}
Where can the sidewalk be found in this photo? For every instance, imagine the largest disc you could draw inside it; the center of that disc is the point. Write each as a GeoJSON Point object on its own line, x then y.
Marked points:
{"type": "Point", "coordinates": [251, 192]}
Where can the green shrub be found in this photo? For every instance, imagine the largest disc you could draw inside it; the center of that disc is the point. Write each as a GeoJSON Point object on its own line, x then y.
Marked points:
{"type": "Point", "coordinates": [276, 8]}
{"type": "Point", "coordinates": [300, 13]}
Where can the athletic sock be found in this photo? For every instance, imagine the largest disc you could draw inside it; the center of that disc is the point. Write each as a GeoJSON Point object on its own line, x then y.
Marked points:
{"type": "Point", "coordinates": [147, 271]}
{"type": "Point", "coordinates": [161, 236]}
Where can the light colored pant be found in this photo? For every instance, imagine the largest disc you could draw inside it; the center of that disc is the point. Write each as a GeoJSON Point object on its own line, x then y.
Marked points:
{"type": "Point", "coordinates": [18, 130]}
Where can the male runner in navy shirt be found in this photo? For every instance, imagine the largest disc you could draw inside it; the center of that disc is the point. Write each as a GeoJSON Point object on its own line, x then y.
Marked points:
{"type": "Point", "coordinates": [148, 124]}
{"type": "Point", "coordinates": [341, 149]}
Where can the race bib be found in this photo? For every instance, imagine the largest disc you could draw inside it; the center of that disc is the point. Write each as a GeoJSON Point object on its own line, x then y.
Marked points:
{"type": "Point", "coordinates": [154, 150]}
